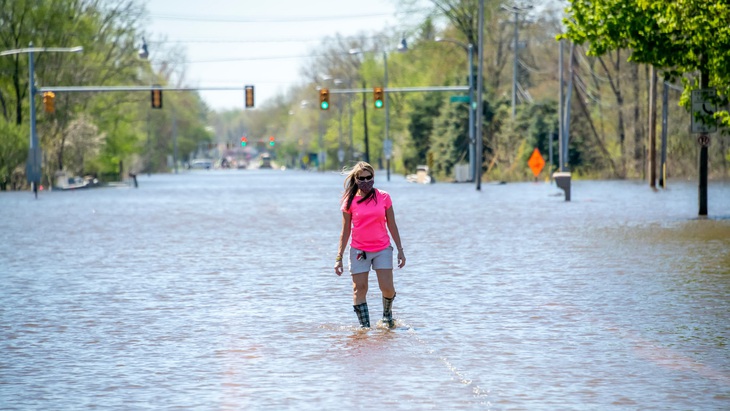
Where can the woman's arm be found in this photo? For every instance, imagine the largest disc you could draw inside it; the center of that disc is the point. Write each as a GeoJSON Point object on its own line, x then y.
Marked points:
{"type": "Point", "coordinates": [393, 228]}
{"type": "Point", "coordinates": [344, 236]}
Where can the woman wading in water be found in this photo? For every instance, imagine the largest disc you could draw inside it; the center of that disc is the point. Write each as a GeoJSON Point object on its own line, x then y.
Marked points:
{"type": "Point", "coordinates": [367, 214]}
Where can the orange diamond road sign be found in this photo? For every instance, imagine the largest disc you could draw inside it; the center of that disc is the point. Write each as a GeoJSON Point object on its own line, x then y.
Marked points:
{"type": "Point", "coordinates": [536, 162]}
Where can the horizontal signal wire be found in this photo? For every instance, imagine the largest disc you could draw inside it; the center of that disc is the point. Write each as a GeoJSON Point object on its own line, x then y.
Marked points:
{"type": "Point", "coordinates": [276, 19]}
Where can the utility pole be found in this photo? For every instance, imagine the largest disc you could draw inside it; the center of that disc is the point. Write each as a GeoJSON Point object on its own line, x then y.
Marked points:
{"type": "Point", "coordinates": [561, 103]}
{"type": "Point", "coordinates": [174, 139]}
{"type": "Point", "coordinates": [480, 99]}
{"type": "Point", "coordinates": [365, 124]}
{"type": "Point", "coordinates": [652, 126]}
{"type": "Point", "coordinates": [514, 66]}
{"type": "Point", "coordinates": [665, 114]}
{"type": "Point", "coordinates": [568, 98]}
{"type": "Point", "coordinates": [704, 137]}
{"type": "Point", "coordinates": [387, 111]}
{"type": "Point", "coordinates": [516, 11]}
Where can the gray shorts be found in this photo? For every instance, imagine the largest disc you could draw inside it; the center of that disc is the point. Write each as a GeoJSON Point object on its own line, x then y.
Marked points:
{"type": "Point", "coordinates": [379, 260]}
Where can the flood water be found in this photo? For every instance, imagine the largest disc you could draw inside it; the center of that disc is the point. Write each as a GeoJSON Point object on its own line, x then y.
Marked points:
{"type": "Point", "coordinates": [214, 290]}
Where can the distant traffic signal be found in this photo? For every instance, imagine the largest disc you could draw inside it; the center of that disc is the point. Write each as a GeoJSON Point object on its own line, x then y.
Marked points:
{"type": "Point", "coordinates": [49, 98]}
{"type": "Point", "coordinates": [244, 141]}
{"type": "Point", "coordinates": [378, 97]}
{"type": "Point", "coordinates": [324, 99]}
{"type": "Point", "coordinates": [249, 96]}
{"type": "Point", "coordinates": [272, 141]}
{"type": "Point", "coordinates": [156, 98]}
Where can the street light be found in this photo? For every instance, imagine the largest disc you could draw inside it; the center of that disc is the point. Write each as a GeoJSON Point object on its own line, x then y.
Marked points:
{"type": "Point", "coordinates": [469, 48]}
{"type": "Point", "coordinates": [143, 51]}
{"type": "Point", "coordinates": [33, 164]}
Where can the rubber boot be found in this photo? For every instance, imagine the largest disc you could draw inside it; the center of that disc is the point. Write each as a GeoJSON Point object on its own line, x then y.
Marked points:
{"type": "Point", "coordinates": [363, 315]}
{"type": "Point", "coordinates": [388, 312]}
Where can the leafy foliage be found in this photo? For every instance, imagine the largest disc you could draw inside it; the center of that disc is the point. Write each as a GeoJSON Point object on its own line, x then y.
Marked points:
{"type": "Point", "coordinates": [679, 36]}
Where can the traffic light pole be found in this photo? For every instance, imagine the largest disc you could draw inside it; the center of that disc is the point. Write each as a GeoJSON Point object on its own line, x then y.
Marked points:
{"type": "Point", "coordinates": [33, 163]}
{"type": "Point", "coordinates": [387, 111]}
{"type": "Point", "coordinates": [33, 171]}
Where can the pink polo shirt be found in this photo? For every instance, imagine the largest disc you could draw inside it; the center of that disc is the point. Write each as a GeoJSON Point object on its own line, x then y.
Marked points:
{"type": "Point", "coordinates": [369, 229]}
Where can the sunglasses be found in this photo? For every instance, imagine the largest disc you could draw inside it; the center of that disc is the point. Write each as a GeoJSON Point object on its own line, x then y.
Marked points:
{"type": "Point", "coordinates": [364, 178]}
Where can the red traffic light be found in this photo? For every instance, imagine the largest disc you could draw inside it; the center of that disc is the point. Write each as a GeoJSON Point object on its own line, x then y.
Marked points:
{"type": "Point", "coordinates": [272, 141]}
{"type": "Point", "coordinates": [244, 141]}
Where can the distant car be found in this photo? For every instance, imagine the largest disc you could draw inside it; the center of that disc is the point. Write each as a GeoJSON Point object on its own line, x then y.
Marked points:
{"type": "Point", "coordinates": [201, 163]}
{"type": "Point", "coordinates": [265, 161]}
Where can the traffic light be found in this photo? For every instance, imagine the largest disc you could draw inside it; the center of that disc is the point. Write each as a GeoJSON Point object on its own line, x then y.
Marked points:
{"type": "Point", "coordinates": [249, 96]}
{"type": "Point", "coordinates": [272, 141]}
{"type": "Point", "coordinates": [379, 97]}
{"type": "Point", "coordinates": [156, 98]}
{"type": "Point", "coordinates": [244, 141]}
{"type": "Point", "coordinates": [49, 98]}
{"type": "Point", "coordinates": [324, 99]}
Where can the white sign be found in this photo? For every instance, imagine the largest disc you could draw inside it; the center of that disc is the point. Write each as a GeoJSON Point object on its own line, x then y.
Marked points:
{"type": "Point", "coordinates": [388, 148]}
{"type": "Point", "coordinates": [703, 106]}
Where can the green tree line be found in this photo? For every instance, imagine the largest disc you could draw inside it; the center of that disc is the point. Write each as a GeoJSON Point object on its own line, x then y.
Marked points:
{"type": "Point", "coordinates": [613, 43]}
{"type": "Point", "coordinates": [609, 121]}
{"type": "Point", "coordinates": [107, 134]}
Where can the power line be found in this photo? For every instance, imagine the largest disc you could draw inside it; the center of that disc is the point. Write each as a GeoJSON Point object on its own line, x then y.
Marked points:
{"type": "Point", "coordinates": [277, 19]}
{"type": "Point", "coordinates": [257, 58]}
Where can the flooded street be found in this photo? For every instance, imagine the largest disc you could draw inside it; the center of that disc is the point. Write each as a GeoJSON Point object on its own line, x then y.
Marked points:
{"type": "Point", "coordinates": [214, 290]}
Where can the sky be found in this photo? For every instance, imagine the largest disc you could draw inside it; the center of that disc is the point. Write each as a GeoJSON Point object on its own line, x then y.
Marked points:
{"type": "Point", "coordinates": [263, 43]}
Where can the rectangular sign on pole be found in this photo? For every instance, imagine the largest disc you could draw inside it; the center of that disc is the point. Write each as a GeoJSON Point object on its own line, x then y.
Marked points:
{"type": "Point", "coordinates": [704, 105]}
{"type": "Point", "coordinates": [459, 99]}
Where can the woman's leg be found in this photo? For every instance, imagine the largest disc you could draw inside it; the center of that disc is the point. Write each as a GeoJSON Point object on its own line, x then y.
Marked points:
{"type": "Point", "coordinates": [385, 281]}
{"type": "Point", "coordinates": [360, 287]}
{"type": "Point", "coordinates": [359, 298]}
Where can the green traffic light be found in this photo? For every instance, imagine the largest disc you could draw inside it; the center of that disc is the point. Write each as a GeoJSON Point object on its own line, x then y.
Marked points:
{"type": "Point", "coordinates": [378, 103]}
{"type": "Point", "coordinates": [324, 105]}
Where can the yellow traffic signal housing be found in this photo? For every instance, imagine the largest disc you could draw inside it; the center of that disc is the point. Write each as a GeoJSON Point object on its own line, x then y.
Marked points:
{"type": "Point", "coordinates": [249, 96]}
{"type": "Point", "coordinates": [378, 97]}
{"type": "Point", "coordinates": [49, 98]}
{"type": "Point", "coordinates": [324, 99]}
{"type": "Point", "coordinates": [156, 98]}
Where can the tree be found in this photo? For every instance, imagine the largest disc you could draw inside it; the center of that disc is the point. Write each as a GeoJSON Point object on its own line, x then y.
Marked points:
{"type": "Point", "coordinates": [678, 37]}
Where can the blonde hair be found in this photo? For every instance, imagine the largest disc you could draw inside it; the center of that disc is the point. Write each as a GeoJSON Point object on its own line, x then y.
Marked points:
{"type": "Point", "coordinates": [351, 184]}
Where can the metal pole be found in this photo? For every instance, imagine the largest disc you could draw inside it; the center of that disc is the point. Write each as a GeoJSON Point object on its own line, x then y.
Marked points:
{"type": "Point", "coordinates": [34, 155]}
{"type": "Point", "coordinates": [561, 103]}
{"type": "Point", "coordinates": [340, 150]}
{"type": "Point", "coordinates": [320, 157]}
{"type": "Point", "coordinates": [514, 70]}
{"type": "Point", "coordinates": [568, 98]}
{"type": "Point", "coordinates": [665, 112]}
{"type": "Point", "coordinates": [349, 108]}
{"type": "Point", "coordinates": [387, 109]}
{"type": "Point", "coordinates": [703, 166]}
{"type": "Point", "coordinates": [480, 84]}
{"type": "Point", "coordinates": [550, 156]}
{"type": "Point", "coordinates": [174, 140]}
{"type": "Point", "coordinates": [472, 141]}
{"type": "Point", "coordinates": [652, 127]}
{"type": "Point", "coordinates": [365, 124]}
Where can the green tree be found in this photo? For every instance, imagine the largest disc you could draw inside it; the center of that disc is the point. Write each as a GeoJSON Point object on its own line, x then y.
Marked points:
{"type": "Point", "coordinates": [678, 37]}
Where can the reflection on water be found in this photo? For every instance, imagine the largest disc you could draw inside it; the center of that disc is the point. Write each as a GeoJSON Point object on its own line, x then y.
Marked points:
{"type": "Point", "coordinates": [215, 290]}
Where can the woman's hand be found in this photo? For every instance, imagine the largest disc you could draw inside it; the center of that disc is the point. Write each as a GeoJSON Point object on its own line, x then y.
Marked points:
{"type": "Point", "coordinates": [338, 267]}
{"type": "Point", "coordinates": [401, 258]}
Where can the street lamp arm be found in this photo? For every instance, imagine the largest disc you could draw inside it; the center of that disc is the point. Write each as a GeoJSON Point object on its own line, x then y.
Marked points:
{"type": "Point", "coordinates": [447, 40]}
{"type": "Point", "coordinates": [42, 49]}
